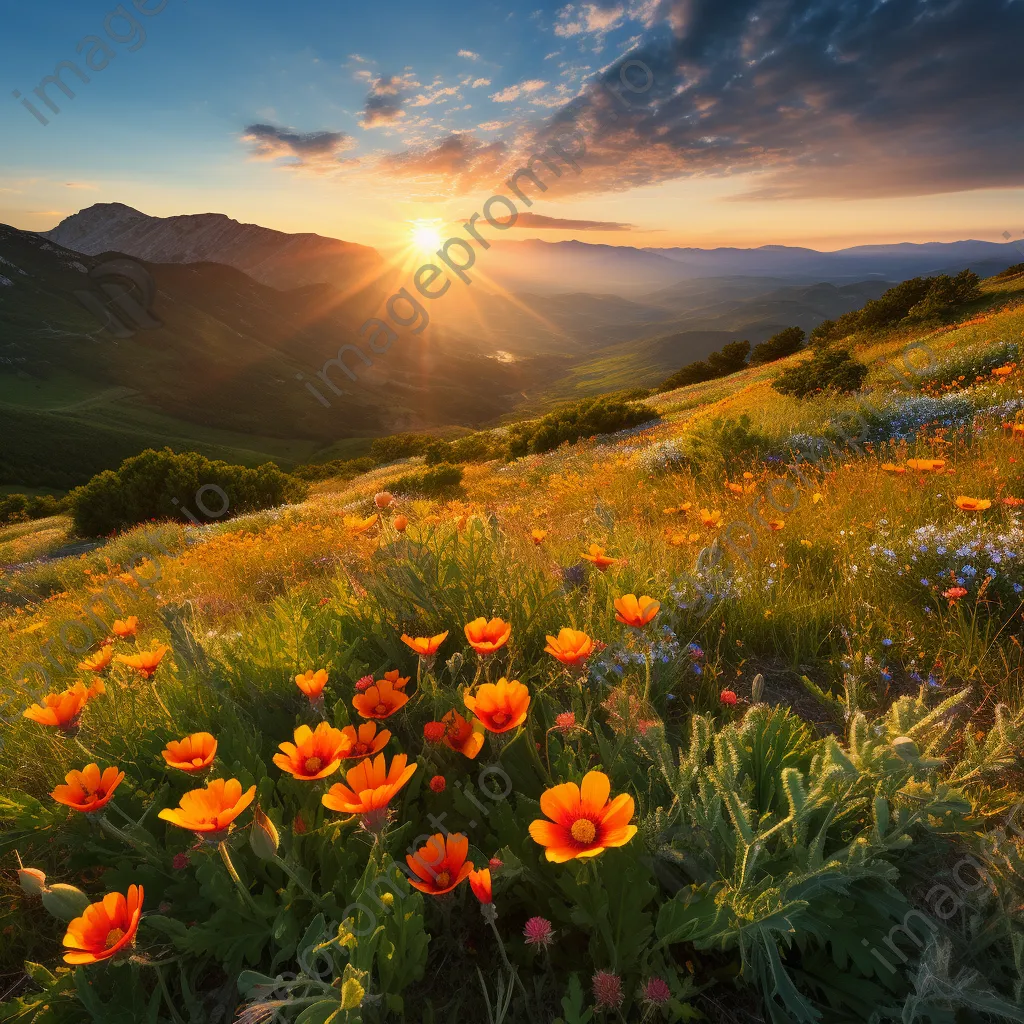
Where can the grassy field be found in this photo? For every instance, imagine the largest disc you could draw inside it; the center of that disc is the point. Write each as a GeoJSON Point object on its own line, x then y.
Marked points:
{"type": "Point", "coordinates": [801, 778]}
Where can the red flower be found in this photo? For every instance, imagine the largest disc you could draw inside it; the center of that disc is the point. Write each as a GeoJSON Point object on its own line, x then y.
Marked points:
{"type": "Point", "coordinates": [433, 732]}
{"type": "Point", "coordinates": [437, 784]}
{"type": "Point", "coordinates": [362, 685]}
{"type": "Point", "coordinates": [538, 932]}
{"type": "Point", "coordinates": [607, 990]}
{"type": "Point", "coordinates": [727, 697]}
{"type": "Point", "coordinates": [480, 883]}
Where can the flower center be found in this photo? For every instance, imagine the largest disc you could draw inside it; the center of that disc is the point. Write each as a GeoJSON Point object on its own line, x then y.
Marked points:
{"type": "Point", "coordinates": [443, 880]}
{"type": "Point", "coordinates": [197, 762]}
{"type": "Point", "coordinates": [380, 709]}
{"type": "Point", "coordinates": [360, 748]}
{"type": "Point", "coordinates": [313, 765]}
{"type": "Point", "coordinates": [583, 830]}
{"type": "Point", "coordinates": [114, 936]}
{"type": "Point", "coordinates": [499, 718]}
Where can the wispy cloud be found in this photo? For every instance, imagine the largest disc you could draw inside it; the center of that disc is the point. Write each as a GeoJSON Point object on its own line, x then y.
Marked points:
{"type": "Point", "coordinates": [318, 152]}
{"type": "Point", "coordinates": [513, 92]}
{"type": "Point", "coordinates": [542, 222]}
{"type": "Point", "coordinates": [588, 19]}
{"type": "Point", "coordinates": [469, 55]}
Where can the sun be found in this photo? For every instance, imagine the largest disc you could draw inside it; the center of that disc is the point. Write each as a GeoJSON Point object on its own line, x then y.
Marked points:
{"type": "Point", "coordinates": [425, 236]}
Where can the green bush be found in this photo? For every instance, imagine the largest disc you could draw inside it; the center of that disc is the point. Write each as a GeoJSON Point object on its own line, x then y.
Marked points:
{"type": "Point", "coordinates": [581, 419]}
{"type": "Point", "coordinates": [398, 446]}
{"type": "Point", "coordinates": [718, 447]}
{"type": "Point", "coordinates": [437, 480]}
{"type": "Point", "coordinates": [20, 508]}
{"type": "Point", "coordinates": [778, 346]}
{"type": "Point", "coordinates": [471, 448]}
{"type": "Point", "coordinates": [832, 369]}
{"type": "Point", "coordinates": [166, 485]}
{"type": "Point", "coordinates": [344, 469]}
{"type": "Point", "coordinates": [1014, 271]}
{"type": "Point", "coordinates": [730, 358]}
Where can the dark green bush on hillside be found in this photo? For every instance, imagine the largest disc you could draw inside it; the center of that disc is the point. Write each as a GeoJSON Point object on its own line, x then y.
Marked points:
{"type": "Point", "coordinates": [730, 358]}
{"type": "Point", "coordinates": [1017, 268]}
{"type": "Point", "coordinates": [437, 480]}
{"type": "Point", "coordinates": [398, 446]}
{"type": "Point", "coordinates": [572, 422]}
{"type": "Point", "coordinates": [832, 369]}
{"type": "Point", "coordinates": [778, 346]}
{"type": "Point", "coordinates": [344, 469]}
{"type": "Point", "coordinates": [471, 448]}
{"type": "Point", "coordinates": [20, 508]}
{"type": "Point", "coordinates": [166, 485]}
{"type": "Point", "coordinates": [720, 447]}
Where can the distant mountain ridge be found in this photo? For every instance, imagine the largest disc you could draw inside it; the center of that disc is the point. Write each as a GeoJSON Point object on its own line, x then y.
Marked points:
{"type": "Point", "coordinates": [271, 257]}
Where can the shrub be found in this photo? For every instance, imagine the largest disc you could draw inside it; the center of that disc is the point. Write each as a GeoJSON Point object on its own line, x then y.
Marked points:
{"type": "Point", "coordinates": [20, 508]}
{"type": "Point", "coordinates": [778, 346]}
{"type": "Point", "coordinates": [398, 446]}
{"type": "Point", "coordinates": [431, 482]}
{"type": "Point", "coordinates": [719, 446]}
{"type": "Point", "coordinates": [944, 295]}
{"type": "Point", "coordinates": [730, 359]}
{"type": "Point", "coordinates": [833, 369]}
{"type": "Point", "coordinates": [164, 485]}
{"type": "Point", "coordinates": [345, 469]}
{"type": "Point", "coordinates": [471, 448]}
{"type": "Point", "coordinates": [1014, 271]}
{"type": "Point", "coordinates": [571, 422]}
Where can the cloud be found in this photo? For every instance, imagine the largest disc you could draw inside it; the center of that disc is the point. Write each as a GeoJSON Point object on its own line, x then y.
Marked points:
{"type": "Point", "coordinates": [540, 221]}
{"type": "Point", "coordinates": [469, 54]}
{"type": "Point", "coordinates": [457, 162]}
{"type": "Point", "coordinates": [513, 92]}
{"type": "Point", "coordinates": [316, 151]}
{"type": "Point", "coordinates": [435, 95]}
{"type": "Point", "coordinates": [81, 184]}
{"type": "Point", "coordinates": [816, 98]}
{"type": "Point", "coordinates": [589, 19]}
{"type": "Point", "coordinates": [384, 101]}
{"type": "Point", "coordinates": [479, 83]}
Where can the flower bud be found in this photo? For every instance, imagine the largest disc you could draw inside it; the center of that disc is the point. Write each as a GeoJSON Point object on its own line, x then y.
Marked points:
{"type": "Point", "coordinates": [905, 748]}
{"type": "Point", "coordinates": [33, 881]}
{"type": "Point", "coordinates": [757, 688]}
{"type": "Point", "coordinates": [263, 837]}
{"type": "Point", "coordinates": [65, 902]}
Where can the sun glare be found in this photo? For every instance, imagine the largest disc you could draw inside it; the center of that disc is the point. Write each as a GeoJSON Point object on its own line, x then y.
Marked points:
{"type": "Point", "coordinates": [426, 235]}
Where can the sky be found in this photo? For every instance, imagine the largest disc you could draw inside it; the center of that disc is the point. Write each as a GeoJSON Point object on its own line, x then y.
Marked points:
{"type": "Point", "coordinates": [704, 122]}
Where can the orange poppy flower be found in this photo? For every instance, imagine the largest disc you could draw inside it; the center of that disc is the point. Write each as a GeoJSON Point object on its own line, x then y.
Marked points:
{"type": "Point", "coordinates": [712, 519]}
{"type": "Point", "coordinates": [500, 706]}
{"type": "Point", "coordinates": [383, 499]}
{"type": "Point", "coordinates": [635, 611]}
{"type": "Point", "coordinates": [776, 524]}
{"type": "Point", "coordinates": [145, 662]}
{"type": "Point", "coordinates": [98, 662]}
{"type": "Point", "coordinates": [400, 523]}
{"type": "Point", "coordinates": [537, 536]}
{"type": "Point", "coordinates": [105, 928]}
{"type": "Point", "coordinates": [371, 787]}
{"type": "Point", "coordinates": [1004, 371]}
{"type": "Point", "coordinates": [425, 646]}
{"type": "Point", "coordinates": [926, 465]}
{"type": "Point", "coordinates": [125, 627]}
{"type": "Point", "coordinates": [194, 753]}
{"type": "Point", "coordinates": [355, 525]}
{"type": "Point", "coordinates": [966, 504]}
{"type": "Point", "coordinates": [315, 754]}
{"type": "Point", "coordinates": [463, 735]}
{"type": "Point", "coordinates": [60, 709]}
{"type": "Point", "coordinates": [88, 790]}
{"type": "Point", "coordinates": [891, 467]}
{"type": "Point", "coordinates": [364, 741]}
{"type": "Point", "coordinates": [397, 681]}
{"type": "Point", "coordinates": [210, 810]}
{"type": "Point", "coordinates": [487, 637]}
{"type": "Point", "coordinates": [583, 821]}
{"type": "Point", "coordinates": [379, 701]}
{"type": "Point", "coordinates": [440, 864]}
{"type": "Point", "coordinates": [480, 883]}
{"type": "Point", "coordinates": [570, 647]}
{"type": "Point", "coordinates": [312, 683]}
{"type": "Point", "coordinates": [598, 558]}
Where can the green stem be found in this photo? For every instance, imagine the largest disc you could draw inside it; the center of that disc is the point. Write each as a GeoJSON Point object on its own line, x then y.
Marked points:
{"type": "Point", "coordinates": [292, 874]}
{"type": "Point", "coordinates": [239, 884]}
{"type": "Point", "coordinates": [508, 964]}
{"type": "Point", "coordinates": [647, 666]}
{"type": "Point", "coordinates": [159, 700]}
{"type": "Point", "coordinates": [167, 996]}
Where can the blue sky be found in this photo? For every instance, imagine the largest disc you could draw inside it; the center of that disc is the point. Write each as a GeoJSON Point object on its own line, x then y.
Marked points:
{"type": "Point", "coordinates": [822, 123]}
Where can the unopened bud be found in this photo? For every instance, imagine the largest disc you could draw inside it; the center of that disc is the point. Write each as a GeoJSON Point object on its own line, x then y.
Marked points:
{"type": "Point", "coordinates": [33, 881]}
{"type": "Point", "coordinates": [263, 837]}
{"type": "Point", "coordinates": [65, 902]}
{"type": "Point", "coordinates": [757, 688]}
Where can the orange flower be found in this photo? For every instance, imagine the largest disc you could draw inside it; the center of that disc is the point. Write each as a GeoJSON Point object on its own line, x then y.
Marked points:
{"type": "Point", "coordinates": [712, 519]}
{"type": "Point", "coordinates": [145, 662]}
{"type": "Point", "coordinates": [487, 637]}
{"type": "Point", "coordinates": [425, 646]}
{"type": "Point", "coordinates": [598, 558]}
{"type": "Point", "coordinates": [635, 611]}
{"type": "Point", "coordinates": [210, 810]}
{"type": "Point", "coordinates": [462, 735]}
{"type": "Point", "coordinates": [312, 683]}
{"type": "Point", "coordinates": [400, 523]}
{"type": "Point", "coordinates": [776, 524]}
{"type": "Point", "coordinates": [379, 701]}
{"type": "Point", "coordinates": [966, 504]}
{"type": "Point", "coordinates": [570, 647]}
{"type": "Point", "coordinates": [364, 741]}
{"type": "Point", "coordinates": [383, 499]}
{"type": "Point", "coordinates": [60, 709]}
{"type": "Point", "coordinates": [537, 536]}
{"type": "Point", "coordinates": [583, 821]}
{"type": "Point", "coordinates": [480, 883]}
{"type": "Point", "coordinates": [926, 465]}
{"type": "Point", "coordinates": [315, 754]}
{"type": "Point", "coordinates": [98, 662]}
{"type": "Point", "coordinates": [371, 787]}
{"type": "Point", "coordinates": [106, 928]}
{"type": "Point", "coordinates": [355, 525]}
{"type": "Point", "coordinates": [1013, 502]}
{"type": "Point", "coordinates": [194, 753]}
{"type": "Point", "coordinates": [88, 790]}
{"type": "Point", "coordinates": [125, 627]}
{"type": "Point", "coordinates": [891, 467]}
{"type": "Point", "coordinates": [440, 864]}
{"type": "Point", "coordinates": [1004, 371]}
{"type": "Point", "coordinates": [501, 706]}
{"type": "Point", "coordinates": [397, 682]}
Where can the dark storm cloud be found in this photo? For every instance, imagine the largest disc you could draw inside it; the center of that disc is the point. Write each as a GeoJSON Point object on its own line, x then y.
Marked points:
{"type": "Point", "coordinates": [383, 103]}
{"type": "Point", "coordinates": [837, 99]}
